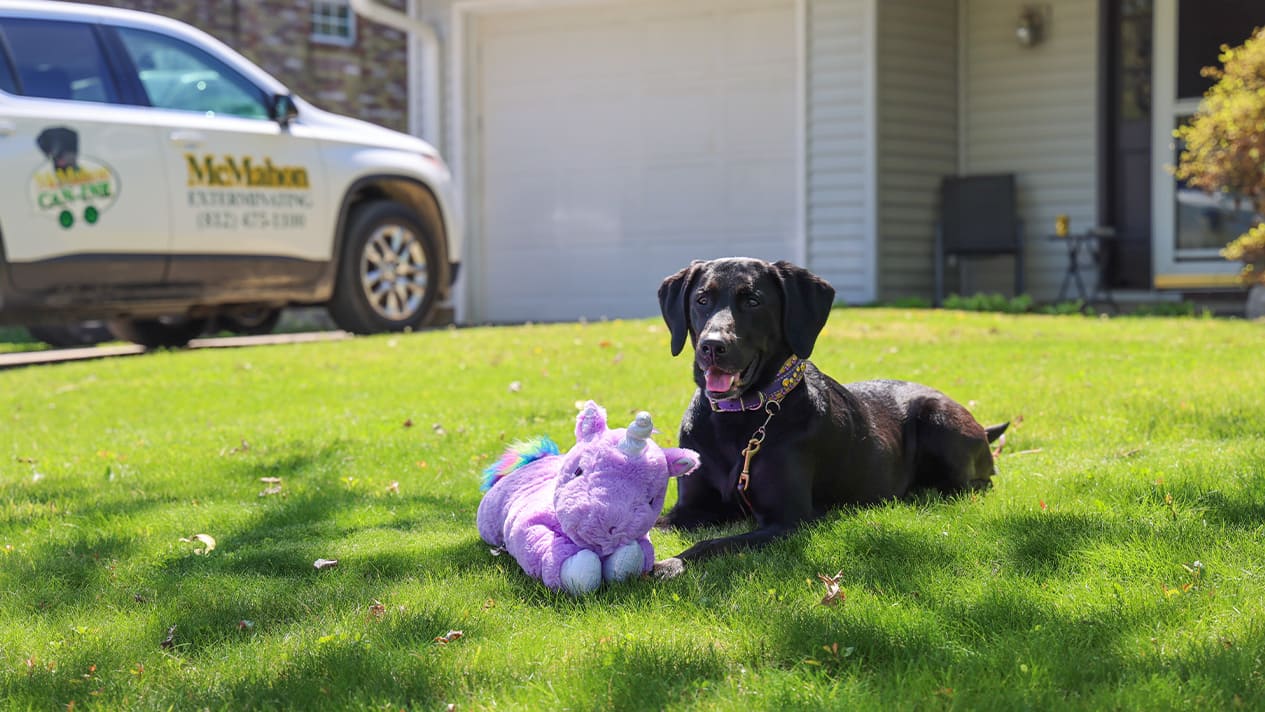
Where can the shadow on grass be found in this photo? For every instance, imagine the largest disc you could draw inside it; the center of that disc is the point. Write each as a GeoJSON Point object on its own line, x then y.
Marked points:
{"type": "Point", "coordinates": [636, 675]}
{"type": "Point", "coordinates": [1243, 508]}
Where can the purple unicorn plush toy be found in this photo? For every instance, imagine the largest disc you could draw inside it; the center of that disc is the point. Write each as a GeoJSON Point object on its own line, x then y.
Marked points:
{"type": "Point", "coordinates": [577, 519]}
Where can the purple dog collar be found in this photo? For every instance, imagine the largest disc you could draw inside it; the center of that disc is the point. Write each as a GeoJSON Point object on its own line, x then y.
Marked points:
{"type": "Point", "coordinates": [790, 375]}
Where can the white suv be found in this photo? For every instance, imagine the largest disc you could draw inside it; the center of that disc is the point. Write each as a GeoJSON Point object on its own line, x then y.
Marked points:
{"type": "Point", "coordinates": [152, 177]}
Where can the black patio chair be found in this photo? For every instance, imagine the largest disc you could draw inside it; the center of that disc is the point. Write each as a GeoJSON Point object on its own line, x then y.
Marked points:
{"type": "Point", "coordinates": [978, 218]}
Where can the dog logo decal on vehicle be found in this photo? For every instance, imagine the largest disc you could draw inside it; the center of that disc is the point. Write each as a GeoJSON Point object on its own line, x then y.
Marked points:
{"type": "Point", "coordinates": [71, 187]}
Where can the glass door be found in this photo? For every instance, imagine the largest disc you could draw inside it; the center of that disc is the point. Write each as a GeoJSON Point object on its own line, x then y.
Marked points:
{"type": "Point", "coordinates": [1191, 226]}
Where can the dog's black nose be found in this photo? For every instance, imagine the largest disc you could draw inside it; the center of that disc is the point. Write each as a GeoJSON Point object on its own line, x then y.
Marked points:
{"type": "Point", "coordinates": [711, 349]}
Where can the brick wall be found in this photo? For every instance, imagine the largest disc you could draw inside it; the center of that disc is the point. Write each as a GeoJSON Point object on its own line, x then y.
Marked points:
{"type": "Point", "coordinates": [368, 80]}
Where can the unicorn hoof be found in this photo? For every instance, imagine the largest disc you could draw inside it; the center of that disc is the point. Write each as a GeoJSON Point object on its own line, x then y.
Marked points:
{"type": "Point", "coordinates": [627, 561]}
{"type": "Point", "coordinates": [581, 573]}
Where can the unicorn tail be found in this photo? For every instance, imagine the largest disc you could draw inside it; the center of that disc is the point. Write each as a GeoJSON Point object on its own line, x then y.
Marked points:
{"type": "Point", "coordinates": [517, 456]}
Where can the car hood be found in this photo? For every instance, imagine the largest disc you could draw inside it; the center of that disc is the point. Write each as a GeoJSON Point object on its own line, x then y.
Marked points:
{"type": "Point", "coordinates": [335, 127]}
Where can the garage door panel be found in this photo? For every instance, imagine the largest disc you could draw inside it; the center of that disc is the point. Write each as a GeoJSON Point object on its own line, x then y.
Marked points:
{"type": "Point", "coordinates": [621, 140]}
{"type": "Point", "coordinates": [683, 122]}
{"type": "Point", "coordinates": [606, 48]}
{"type": "Point", "coordinates": [747, 37]}
{"type": "Point", "coordinates": [665, 36]}
{"type": "Point", "coordinates": [682, 194]}
{"type": "Point", "coordinates": [757, 119]}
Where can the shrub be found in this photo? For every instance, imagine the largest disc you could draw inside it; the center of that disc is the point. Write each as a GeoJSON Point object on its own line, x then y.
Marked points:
{"type": "Point", "coordinates": [1225, 143]}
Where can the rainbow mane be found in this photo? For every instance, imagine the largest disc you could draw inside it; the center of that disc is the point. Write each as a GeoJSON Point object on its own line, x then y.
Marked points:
{"type": "Point", "coordinates": [516, 456]}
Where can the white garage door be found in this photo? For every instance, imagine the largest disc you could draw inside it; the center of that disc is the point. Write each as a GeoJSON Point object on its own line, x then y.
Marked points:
{"type": "Point", "coordinates": [621, 140]}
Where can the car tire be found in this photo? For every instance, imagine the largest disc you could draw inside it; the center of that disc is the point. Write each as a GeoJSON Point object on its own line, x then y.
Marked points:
{"type": "Point", "coordinates": [165, 332]}
{"type": "Point", "coordinates": [249, 322]}
{"type": "Point", "coordinates": [388, 274]}
{"type": "Point", "coordinates": [66, 336]}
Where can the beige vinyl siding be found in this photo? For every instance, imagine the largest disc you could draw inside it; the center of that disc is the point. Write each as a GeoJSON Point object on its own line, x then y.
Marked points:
{"type": "Point", "coordinates": [1031, 111]}
{"type": "Point", "coordinates": [839, 210]}
{"type": "Point", "coordinates": [917, 126]}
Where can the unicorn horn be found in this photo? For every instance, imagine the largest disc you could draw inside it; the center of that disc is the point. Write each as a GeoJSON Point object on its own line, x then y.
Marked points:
{"type": "Point", "coordinates": [638, 432]}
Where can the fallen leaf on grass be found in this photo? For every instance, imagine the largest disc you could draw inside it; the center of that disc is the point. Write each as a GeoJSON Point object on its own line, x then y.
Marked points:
{"type": "Point", "coordinates": [394, 487]}
{"type": "Point", "coordinates": [516, 386]}
{"type": "Point", "coordinates": [170, 640]}
{"type": "Point", "coordinates": [448, 637]}
{"type": "Point", "coordinates": [408, 423]}
{"type": "Point", "coordinates": [207, 540]}
{"type": "Point", "coordinates": [244, 447]}
{"type": "Point", "coordinates": [439, 429]}
{"type": "Point", "coordinates": [245, 624]}
{"type": "Point", "coordinates": [274, 486]}
{"type": "Point", "coordinates": [377, 610]}
{"type": "Point", "coordinates": [322, 564]}
{"type": "Point", "coordinates": [834, 594]}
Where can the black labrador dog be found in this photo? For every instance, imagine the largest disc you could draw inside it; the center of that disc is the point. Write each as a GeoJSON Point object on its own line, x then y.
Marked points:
{"type": "Point", "coordinates": [780, 441]}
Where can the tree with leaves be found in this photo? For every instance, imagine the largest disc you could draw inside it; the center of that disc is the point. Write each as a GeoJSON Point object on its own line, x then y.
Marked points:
{"type": "Point", "coordinates": [1225, 144]}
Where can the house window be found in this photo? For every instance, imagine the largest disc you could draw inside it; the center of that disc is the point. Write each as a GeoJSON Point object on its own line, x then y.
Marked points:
{"type": "Point", "coordinates": [333, 22]}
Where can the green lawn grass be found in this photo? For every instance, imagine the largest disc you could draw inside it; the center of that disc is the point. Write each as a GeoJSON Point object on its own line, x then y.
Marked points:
{"type": "Point", "coordinates": [1119, 562]}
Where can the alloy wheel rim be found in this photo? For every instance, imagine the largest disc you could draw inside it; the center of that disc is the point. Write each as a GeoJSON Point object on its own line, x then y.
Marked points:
{"type": "Point", "coordinates": [393, 272]}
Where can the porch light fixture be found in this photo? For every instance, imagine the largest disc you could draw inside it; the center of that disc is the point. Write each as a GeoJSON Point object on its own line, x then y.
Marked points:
{"type": "Point", "coordinates": [1030, 29]}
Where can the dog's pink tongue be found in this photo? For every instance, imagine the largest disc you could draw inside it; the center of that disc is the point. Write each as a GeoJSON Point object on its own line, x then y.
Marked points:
{"type": "Point", "coordinates": [718, 381]}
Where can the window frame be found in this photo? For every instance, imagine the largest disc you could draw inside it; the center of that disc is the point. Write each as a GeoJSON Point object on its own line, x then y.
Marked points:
{"type": "Point", "coordinates": [8, 67]}
{"type": "Point", "coordinates": [332, 39]}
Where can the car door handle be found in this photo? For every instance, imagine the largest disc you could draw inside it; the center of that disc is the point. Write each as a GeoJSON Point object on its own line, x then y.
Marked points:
{"type": "Point", "coordinates": [8, 128]}
{"type": "Point", "coordinates": [188, 137]}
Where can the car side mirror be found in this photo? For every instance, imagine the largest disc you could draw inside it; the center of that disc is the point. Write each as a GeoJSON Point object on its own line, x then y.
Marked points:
{"type": "Point", "coordinates": [284, 110]}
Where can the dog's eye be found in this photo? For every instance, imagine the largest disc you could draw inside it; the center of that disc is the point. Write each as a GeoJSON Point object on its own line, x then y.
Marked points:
{"type": "Point", "coordinates": [702, 300]}
{"type": "Point", "coordinates": [578, 471]}
{"type": "Point", "coordinates": [753, 301]}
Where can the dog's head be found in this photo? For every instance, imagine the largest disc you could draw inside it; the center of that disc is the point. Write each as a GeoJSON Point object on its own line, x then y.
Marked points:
{"type": "Point", "coordinates": [744, 317]}
{"type": "Point", "coordinates": [60, 145]}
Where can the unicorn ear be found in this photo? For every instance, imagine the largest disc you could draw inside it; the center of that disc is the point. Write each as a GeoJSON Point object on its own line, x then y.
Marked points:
{"type": "Point", "coordinates": [591, 422]}
{"type": "Point", "coordinates": [681, 461]}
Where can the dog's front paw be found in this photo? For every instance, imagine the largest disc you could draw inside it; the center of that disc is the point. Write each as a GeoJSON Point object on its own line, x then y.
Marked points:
{"type": "Point", "coordinates": [668, 568]}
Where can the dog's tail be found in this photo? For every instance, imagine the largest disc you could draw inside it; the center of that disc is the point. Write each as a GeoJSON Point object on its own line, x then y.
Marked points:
{"type": "Point", "coordinates": [994, 431]}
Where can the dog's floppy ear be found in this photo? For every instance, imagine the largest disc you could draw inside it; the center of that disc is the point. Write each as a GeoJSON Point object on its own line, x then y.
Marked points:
{"type": "Point", "coordinates": [806, 302]}
{"type": "Point", "coordinates": [674, 302]}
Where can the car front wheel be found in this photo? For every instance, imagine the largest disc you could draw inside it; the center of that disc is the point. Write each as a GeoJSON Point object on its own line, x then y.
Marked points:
{"type": "Point", "coordinates": [389, 272]}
